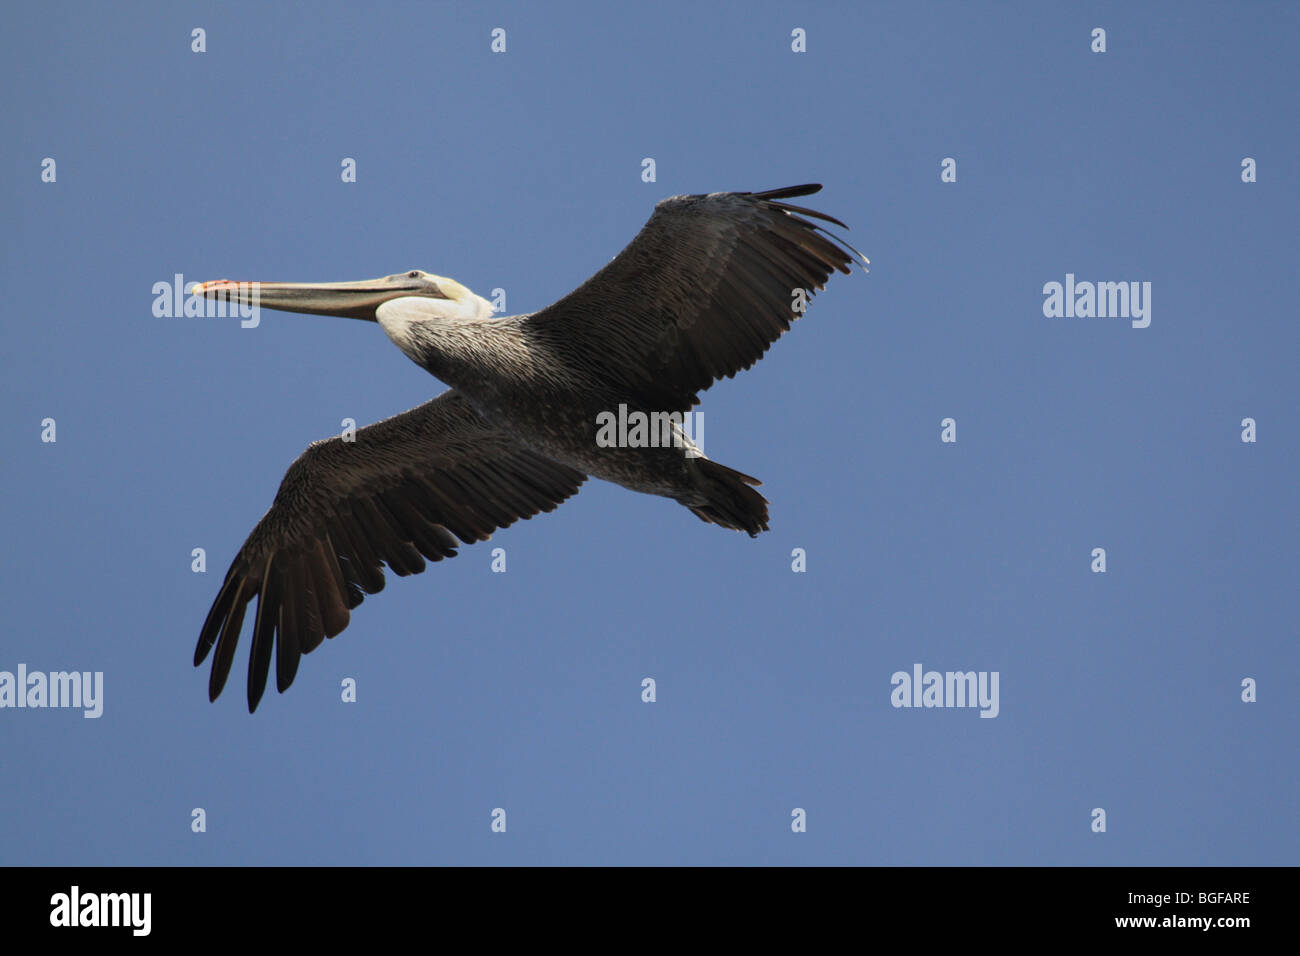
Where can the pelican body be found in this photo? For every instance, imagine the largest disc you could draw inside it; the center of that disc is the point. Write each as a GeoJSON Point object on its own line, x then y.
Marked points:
{"type": "Point", "coordinates": [700, 293]}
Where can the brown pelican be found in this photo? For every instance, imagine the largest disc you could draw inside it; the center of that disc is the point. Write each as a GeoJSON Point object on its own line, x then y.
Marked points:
{"type": "Point", "coordinates": [701, 292]}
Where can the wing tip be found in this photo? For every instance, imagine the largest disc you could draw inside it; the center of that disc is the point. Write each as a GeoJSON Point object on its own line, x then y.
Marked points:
{"type": "Point", "coordinates": [787, 192]}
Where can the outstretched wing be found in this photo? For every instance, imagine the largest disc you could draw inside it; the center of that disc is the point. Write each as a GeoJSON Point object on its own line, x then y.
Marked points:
{"type": "Point", "coordinates": [403, 491]}
{"type": "Point", "coordinates": [701, 292]}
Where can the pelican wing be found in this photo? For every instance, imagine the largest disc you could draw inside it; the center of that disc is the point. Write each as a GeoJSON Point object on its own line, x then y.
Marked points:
{"type": "Point", "coordinates": [701, 292]}
{"type": "Point", "coordinates": [403, 491]}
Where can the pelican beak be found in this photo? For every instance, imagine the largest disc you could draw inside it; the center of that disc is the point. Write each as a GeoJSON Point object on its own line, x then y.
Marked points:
{"type": "Point", "coordinates": [354, 300]}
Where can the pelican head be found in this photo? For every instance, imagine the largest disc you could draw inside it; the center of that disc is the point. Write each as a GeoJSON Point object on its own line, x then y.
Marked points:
{"type": "Point", "coordinates": [355, 300]}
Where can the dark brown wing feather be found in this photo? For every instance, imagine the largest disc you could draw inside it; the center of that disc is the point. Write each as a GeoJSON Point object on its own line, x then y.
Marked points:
{"type": "Point", "coordinates": [700, 293]}
{"type": "Point", "coordinates": [403, 491]}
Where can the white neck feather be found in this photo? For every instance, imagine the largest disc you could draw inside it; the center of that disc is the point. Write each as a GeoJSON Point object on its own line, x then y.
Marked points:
{"type": "Point", "coordinates": [401, 317]}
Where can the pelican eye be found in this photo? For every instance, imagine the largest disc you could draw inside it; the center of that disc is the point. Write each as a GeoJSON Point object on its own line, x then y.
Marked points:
{"type": "Point", "coordinates": [413, 275]}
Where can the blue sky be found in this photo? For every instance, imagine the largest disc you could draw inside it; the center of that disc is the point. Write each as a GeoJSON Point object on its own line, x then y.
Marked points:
{"type": "Point", "coordinates": [521, 170]}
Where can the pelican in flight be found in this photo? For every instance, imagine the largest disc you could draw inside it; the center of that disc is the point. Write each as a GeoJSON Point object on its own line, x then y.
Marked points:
{"type": "Point", "coordinates": [706, 286]}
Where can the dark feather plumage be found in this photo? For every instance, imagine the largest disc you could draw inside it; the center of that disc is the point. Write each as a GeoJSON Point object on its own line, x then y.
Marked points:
{"type": "Point", "coordinates": [347, 508]}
